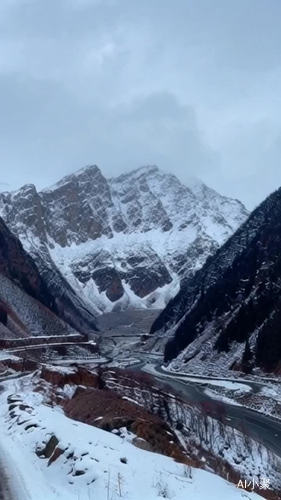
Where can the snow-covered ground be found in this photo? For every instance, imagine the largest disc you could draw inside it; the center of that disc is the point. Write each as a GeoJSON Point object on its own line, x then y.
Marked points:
{"type": "Point", "coordinates": [93, 464]}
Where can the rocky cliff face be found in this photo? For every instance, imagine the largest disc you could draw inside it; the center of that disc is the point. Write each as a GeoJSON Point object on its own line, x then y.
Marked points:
{"type": "Point", "coordinates": [19, 267]}
{"type": "Point", "coordinates": [122, 242]}
{"type": "Point", "coordinates": [27, 307]}
{"type": "Point", "coordinates": [228, 315]}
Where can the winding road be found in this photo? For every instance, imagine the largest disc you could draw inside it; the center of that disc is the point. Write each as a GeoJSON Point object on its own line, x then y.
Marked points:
{"type": "Point", "coordinates": [262, 428]}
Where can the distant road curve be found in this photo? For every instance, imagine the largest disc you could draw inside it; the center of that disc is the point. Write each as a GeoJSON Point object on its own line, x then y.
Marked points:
{"type": "Point", "coordinates": [262, 428]}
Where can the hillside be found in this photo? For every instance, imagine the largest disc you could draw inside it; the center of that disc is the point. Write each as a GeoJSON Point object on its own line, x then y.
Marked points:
{"type": "Point", "coordinates": [228, 315]}
{"type": "Point", "coordinates": [27, 306]}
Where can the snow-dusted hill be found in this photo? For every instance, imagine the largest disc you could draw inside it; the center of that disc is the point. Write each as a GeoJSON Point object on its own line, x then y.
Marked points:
{"type": "Point", "coordinates": [122, 242]}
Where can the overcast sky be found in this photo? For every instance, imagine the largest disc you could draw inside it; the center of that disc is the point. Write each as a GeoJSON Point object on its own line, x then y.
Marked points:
{"type": "Point", "coordinates": [193, 86]}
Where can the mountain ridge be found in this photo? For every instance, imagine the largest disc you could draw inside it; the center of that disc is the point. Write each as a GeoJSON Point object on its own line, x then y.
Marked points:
{"type": "Point", "coordinates": [124, 241]}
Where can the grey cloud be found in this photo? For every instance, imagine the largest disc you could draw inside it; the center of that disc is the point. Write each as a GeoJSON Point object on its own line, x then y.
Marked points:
{"type": "Point", "coordinates": [150, 129]}
{"type": "Point", "coordinates": [254, 161]}
{"type": "Point", "coordinates": [185, 85]}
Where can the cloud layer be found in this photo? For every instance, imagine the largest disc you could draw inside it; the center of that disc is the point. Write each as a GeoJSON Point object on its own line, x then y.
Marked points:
{"type": "Point", "coordinates": [192, 86]}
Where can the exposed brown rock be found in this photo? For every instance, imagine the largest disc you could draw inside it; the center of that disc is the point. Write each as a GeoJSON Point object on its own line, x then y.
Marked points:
{"type": "Point", "coordinates": [21, 364]}
{"type": "Point", "coordinates": [107, 410]}
{"type": "Point", "coordinates": [78, 376]}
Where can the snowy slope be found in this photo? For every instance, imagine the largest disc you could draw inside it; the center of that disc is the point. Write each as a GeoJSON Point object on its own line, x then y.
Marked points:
{"type": "Point", "coordinates": [93, 463]}
{"type": "Point", "coordinates": [122, 242]}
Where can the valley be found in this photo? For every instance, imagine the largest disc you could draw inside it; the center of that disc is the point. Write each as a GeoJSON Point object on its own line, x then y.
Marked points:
{"type": "Point", "coordinates": [227, 417]}
{"type": "Point", "coordinates": [264, 428]}
{"type": "Point", "coordinates": [127, 353]}
{"type": "Point", "coordinates": [127, 322]}
{"type": "Point", "coordinates": [140, 250]}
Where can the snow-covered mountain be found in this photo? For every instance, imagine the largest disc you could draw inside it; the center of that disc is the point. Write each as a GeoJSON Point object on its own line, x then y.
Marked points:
{"type": "Point", "coordinates": [121, 242]}
{"type": "Point", "coordinates": [228, 315]}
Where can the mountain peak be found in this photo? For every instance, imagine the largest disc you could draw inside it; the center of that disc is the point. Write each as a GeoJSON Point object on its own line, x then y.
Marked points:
{"type": "Point", "coordinates": [145, 170]}
{"type": "Point", "coordinates": [125, 241]}
{"type": "Point", "coordinates": [88, 171]}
